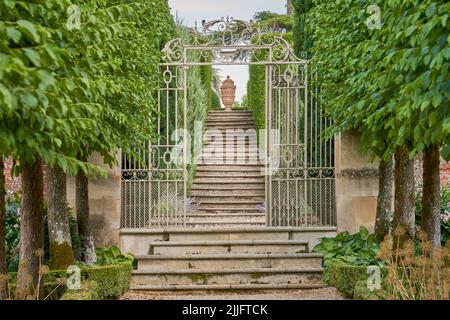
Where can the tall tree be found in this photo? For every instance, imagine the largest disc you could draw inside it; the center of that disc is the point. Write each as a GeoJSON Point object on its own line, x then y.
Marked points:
{"type": "Point", "coordinates": [387, 76]}
{"type": "Point", "coordinates": [31, 233]}
{"type": "Point", "coordinates": [60, 242]}
{"type": "Point", "coordinates": [404, 215]}
{"type": "Point", "coordinates": [431, 199]}
{"type": "Point", "coordinates": [3, 267]}
{"type": "Point", "coordinates": [384, 201]}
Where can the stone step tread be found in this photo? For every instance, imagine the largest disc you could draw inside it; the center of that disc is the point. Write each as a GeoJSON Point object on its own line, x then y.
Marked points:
{"type": "Point", "coordinates": [222, 187]}
{"type": "Point", "coordinates": [230, 202]}
{"type": "Point", "coordinates": [229, 271]}
{"type": "Point", "coordinates": [225, 215]}
{"type": "Point", "coordinates": [227, 209]}
{"type": "Point", "coordinates": [230, 230]}
{"type": "Point", "coordinates": [227, 243]}
{"type": "Point", "coordinates": [224, 181]}
{"type": "Point", "coordinates": [252, 287]}
{"type": "Point", "coordinates": [231, 256]}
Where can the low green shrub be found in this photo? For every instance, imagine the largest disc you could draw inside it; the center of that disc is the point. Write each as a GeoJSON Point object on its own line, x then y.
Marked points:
{"type": "Point", "coordinates": [112, 255]}
{"type": "Point", "coordinates": [344, 277]}
{"type": "Point", "coordinates": [113, 281]}
{"type": "Point", "coordinates": [359, 249]}
{"type": "Point", "coordinates": [88, 291]}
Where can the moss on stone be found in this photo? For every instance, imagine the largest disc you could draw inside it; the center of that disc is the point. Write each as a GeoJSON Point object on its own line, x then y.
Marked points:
{"type": "Point", "coordinates": [61, 255]}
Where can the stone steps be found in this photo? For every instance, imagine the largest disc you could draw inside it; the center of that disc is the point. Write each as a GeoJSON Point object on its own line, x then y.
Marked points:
{"type": "Point", "coordinates": [232, 287]}
{"type": "Point", "coordinates": [228, 247]}
{"type": "Point", "coordinates": [228, 186]}
{"type": "Point", "coordinates": [229, 261]}
{"type": "Point", "coordinates": [228, 179]}
{"type": "Point", "coordinates": [231, 193]}
{"type": "Point", "coordinates": [282, 276]}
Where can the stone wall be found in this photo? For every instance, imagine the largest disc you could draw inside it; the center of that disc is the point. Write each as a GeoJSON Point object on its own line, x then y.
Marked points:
{"type": "Point", "coordinates": [104, 203]}
{"type": "Point", "coordinates": [356, 184]}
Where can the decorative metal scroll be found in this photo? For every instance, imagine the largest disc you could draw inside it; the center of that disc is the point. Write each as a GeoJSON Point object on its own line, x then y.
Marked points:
{"type": "Point", "coordinates": [231, 41]}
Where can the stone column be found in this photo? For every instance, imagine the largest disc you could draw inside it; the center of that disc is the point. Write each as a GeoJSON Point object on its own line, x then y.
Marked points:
{"type": "Point", "coordinates": [356, 184]}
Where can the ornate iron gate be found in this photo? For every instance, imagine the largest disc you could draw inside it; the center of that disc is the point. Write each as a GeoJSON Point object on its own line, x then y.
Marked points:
{"type": "Point", "coordinates": [299, 168]}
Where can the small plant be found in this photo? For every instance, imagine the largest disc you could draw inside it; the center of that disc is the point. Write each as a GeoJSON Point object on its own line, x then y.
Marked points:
{"type": "Point", "coordinates": [359, 249]}
{"type": "Point", "coordinates": [113, 255]}
{"type": "Point", "coordinates": [412, 276]}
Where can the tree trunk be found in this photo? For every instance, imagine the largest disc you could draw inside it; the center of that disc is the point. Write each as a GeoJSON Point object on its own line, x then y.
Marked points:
{"type": "Point", "coordinates": [82, 210]}
{"type": "Point", "coordinates": [3, 267]}
{"type": "Point", "coordinates": [384, 204]}
{"type": "Point", "coordinates": [60, 242]}
{"type": "Point", "coordinates": [29, 282]}
{"type": "Point", "coordinates": [404, 218]}
{"type": "Point", "coordinates": [431, 221]}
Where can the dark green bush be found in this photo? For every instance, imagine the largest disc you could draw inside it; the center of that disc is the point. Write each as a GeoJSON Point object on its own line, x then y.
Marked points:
{"type": "Point", "coordinates": [344, 277]}
{"type": "Point", "coordinates": [88, 291]}
{"type": "Point", "coordinates": [113, 281]}
{"type": "Point", "coordinates": [359, 249]}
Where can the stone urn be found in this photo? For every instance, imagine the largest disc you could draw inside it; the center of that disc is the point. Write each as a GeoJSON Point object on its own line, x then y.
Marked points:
{"type": "Point", "coordinates": [228, 93]}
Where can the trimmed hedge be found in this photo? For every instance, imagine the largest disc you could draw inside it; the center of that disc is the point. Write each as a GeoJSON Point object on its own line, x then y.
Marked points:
{"type": "Point", "coordinates": [351, 281]}
{"type": "Point", "coordinates": [110, 282]}
{"type": "Point", "coordinates": [88, 291]}
{"type": "Point", "coordinates": [344, 277]}
{"type": "Point", "coordinates": [113, 281]}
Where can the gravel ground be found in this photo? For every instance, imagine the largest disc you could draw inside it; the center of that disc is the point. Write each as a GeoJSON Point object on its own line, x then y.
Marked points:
{"type": "Point", "coordinates": [313, 294]}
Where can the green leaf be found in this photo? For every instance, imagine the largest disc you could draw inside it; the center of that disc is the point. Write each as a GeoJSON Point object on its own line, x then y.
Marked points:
{"type": "Point", "coordinates": [33, 55]}
{"type": "Point", "coordinates": [13, 34]}
{"type": "Point", "coordinates": [29, 30]}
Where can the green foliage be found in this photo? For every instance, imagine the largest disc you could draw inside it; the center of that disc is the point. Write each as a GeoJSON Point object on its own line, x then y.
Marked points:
{"type": "Point", "coordinates": [256, 86]}
{"type": "Point", "coordinates": [88, 291]}
{"type": "Point", "coordinates": [112, 255]}
{"type": "Point", "coordinates": [302, 40]}
{"type": "Point", "coordinates": [12, 231]}
{"type": "Point", "coordinates": [13, 205]}
{"type": "Point", "coordinates": [113, 280]}
{"type": "Point", "coordinates": [390, 83]}
{"type": "Point", "coordinates": [274, 22]}
{"type": "Point", "coordinates": [64, 91]}
{"type": "Point", "coordinates": [359, 249]}
{"type": "Point", "coordinates": [344, 277]}
{"type": "Point", "coordinates": [445, 213]}
{"type": "Point", "coordinates": [215, 101]}
{"type": "Point", "coordinates": [109, 282]}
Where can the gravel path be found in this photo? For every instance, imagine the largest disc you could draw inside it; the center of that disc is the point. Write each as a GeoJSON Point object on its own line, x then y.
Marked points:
{"type": "Point", "coordinates": [313, 294]}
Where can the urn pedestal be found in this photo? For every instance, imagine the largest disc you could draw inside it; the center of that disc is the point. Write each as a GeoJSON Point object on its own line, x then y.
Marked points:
{"type": "Point", "coordinates": [228, 93]}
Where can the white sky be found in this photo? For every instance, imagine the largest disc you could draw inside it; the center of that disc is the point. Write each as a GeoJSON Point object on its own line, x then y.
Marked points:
{"type": "Point", "coordinates": [191, 11]}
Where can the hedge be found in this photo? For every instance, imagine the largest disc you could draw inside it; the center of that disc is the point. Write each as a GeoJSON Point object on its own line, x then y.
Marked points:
{"type": "Point", "coordinates": [110, 282]}
{"type": "Point", "coordinates": [350, 280]}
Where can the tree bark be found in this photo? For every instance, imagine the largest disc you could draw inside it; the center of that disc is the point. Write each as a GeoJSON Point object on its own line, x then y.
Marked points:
{"type": "Point", "coordinates": [3, 267]}
{"type": "Point", "coordinates": [404, 217]}
{"type": "Point", "coordinates": [82, 210]}
{"type": "Point", "coordinates": [60, 242]}
{"type": "Point", "coordinates": [29, 282]}
{"type": "Point", "coordinates": [431, 211]}
{"type": "Point", "coordinates": [384, 203]}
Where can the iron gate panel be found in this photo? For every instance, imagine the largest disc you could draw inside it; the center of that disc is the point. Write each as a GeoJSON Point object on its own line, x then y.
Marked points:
{"type": "Point", "coordinates": [299, 168]}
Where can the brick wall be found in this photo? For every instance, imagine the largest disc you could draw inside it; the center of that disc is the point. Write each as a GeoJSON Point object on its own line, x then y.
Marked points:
{"type": "Point", "coordinates": [12, 183]}
{"type": "Point", "coordinates": [445, 172]}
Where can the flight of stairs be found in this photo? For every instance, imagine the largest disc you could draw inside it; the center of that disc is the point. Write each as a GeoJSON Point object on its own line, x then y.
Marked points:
{"type": "Point", "coordinates": [252, 258]}
{"type": "Point", "coordinates": [226, 244]}
{"type": "Point", "coordinates": [229, 187]}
